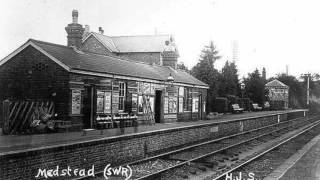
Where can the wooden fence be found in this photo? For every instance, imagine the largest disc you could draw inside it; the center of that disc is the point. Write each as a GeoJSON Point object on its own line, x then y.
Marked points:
{"type": "Point", "coordinates": [18, 115]}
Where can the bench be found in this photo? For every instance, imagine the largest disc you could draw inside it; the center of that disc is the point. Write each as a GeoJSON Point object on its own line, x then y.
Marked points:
{"type": "Point", "coordinates": [256, 107]}
{"type": "Point", "coordinates": [235, 108]}
{"type": "Point", "coordinates": [266, 106]}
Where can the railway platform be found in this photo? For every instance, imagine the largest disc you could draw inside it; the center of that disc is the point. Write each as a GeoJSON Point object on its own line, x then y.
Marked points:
{"type": "Point", "coordinates": [29, 153]}
{"type": "Point", "coordinates": [9, 143]}
{"type": "Point", "coordinates": [303, 165]}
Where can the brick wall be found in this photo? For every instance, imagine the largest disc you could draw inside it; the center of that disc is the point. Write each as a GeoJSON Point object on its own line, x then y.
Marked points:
{"type": "Point", "coordinates": [32, 75]}
{"type": "Point", "coordinates": [119, 150]}
{"type": "Point", "coordinates": [93, 45]}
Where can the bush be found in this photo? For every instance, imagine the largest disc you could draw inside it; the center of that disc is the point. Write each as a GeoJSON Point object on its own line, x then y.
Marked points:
{"type": "Point", "coordinates": [220, 105]}
{"type": "Point", "coordinates": [314, 107]}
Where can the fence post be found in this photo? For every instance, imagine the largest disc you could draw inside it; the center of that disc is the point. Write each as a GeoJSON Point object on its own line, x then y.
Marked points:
{"type": "Point", "coordinates": [5, 114]}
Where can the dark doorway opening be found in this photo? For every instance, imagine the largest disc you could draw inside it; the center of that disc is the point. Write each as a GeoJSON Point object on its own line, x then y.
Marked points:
{"type": "Point", "coordinates": [157, 106]}
{"type": "Point", "coordinates": [87, 106]}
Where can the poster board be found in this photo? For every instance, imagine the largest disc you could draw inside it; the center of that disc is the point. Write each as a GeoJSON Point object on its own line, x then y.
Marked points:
{"type": "Point", "coordinates": [166, 105]}
{"type": "Point", "coordinates": [115, 102]}
{"type": "Point", "coordinates": [76, 101]}
{"type": "Point", "coordinates": [172, 104]}
{"type": "Point", "coordinates": [151, 100]}
{"type": "Point", "coordinates": [107, 102]}
{"type": "Point", "coordinates": [100, 103]}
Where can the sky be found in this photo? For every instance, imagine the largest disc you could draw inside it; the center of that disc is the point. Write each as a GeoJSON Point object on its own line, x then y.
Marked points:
{"type": "Point", "coordinates": [268, 33]}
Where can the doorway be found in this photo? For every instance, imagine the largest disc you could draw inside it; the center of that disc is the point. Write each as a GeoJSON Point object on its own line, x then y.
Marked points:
{"type": "Point", "coordinates": [88, 107]}
{"type": "Point", "coordinates": [157, 106]}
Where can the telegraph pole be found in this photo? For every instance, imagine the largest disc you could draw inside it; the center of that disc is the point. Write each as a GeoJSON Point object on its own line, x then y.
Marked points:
{"type": "Point", "coordinates": [308, 75]}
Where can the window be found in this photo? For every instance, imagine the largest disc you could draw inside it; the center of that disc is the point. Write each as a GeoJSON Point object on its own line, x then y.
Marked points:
{"type": "Point", "coordinates": [122, 95]}
{"type": "Point", "coordinates": [195, 104]}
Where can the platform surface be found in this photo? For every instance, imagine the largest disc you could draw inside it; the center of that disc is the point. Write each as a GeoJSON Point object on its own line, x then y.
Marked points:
{"type": "Point", "coordinates": [11, 143]}
{"type": "Point", "coordinates": [303, 165]}
{"type": "Point", "coordinates": [307, 167]}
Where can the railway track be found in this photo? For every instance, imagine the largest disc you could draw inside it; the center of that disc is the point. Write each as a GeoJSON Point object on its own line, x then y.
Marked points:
{"type": "Point", "coordinates": [218, 157]}
{"type": "Point", "coordinates": [261, 165]}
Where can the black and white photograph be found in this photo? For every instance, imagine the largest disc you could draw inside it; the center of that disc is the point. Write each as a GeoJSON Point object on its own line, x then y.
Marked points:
{"type": "Point", "coordinates": [159, 90]}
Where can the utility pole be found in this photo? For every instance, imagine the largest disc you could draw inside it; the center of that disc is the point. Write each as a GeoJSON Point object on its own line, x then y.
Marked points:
{"type": "Point", "coordinates": [308, 75]}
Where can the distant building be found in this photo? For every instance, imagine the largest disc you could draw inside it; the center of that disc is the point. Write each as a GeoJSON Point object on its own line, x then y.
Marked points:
{"type": "Point", "coordinates": [278, 94]}
{"type": "Point", "coordinates": [97, 76]}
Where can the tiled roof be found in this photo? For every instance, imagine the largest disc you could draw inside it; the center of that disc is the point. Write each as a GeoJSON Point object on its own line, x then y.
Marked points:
{"type": "Point", "coordinates": [106, 41]}
{"type": "Point", "coordinates": [113, 65]}
{"type": "Point", "coordinates": [124, 44]}
{"type": "Point", "coordinates": [275, 83]}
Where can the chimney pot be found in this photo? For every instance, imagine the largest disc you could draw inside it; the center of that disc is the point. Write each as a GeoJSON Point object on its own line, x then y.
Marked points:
{"type": "Point", "coordinates": [101, 30]}
{"type": "Point", "coordinates": [87, 28]}
{"type": "Point", "coordinates": [75, 17]}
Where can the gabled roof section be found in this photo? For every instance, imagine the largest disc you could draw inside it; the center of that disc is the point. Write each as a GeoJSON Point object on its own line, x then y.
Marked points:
{"type": "Point", "coordinates": [105, 65]}
{"type": "Point", "coordinates": [126, 44]}
{"type": "Point", "coordinates": [105, 40]}
{"type": "Point", "coordinates": [30, 42]}
{"type": "Point", "coordinates": [276, 83]}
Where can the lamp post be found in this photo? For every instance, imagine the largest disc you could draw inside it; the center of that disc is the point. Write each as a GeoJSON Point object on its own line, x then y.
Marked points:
{"type": "Point", "coordinates": [242, 87]}
{"type": "Point", "coordinates": [170, 79]}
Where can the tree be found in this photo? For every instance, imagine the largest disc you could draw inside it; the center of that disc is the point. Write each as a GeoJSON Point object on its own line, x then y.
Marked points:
{"type": "Point", "coordinates": [254, 87]}
{"type": "Point", "coordinates": [228, 80]}
{"type": "Point", "coordinates": [181, 66]}
{"type": "Point", "coordinates": [204, 71]}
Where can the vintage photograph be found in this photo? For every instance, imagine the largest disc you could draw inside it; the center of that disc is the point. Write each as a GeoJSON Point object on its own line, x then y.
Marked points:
{"type": "Point", "coordinates": [159, 90]}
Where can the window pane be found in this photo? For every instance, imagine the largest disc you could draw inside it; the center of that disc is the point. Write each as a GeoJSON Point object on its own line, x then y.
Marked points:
{"type": "Point", "coordinates": [140, 107]}
{"type": "Point", "coordinates": [181, 104]}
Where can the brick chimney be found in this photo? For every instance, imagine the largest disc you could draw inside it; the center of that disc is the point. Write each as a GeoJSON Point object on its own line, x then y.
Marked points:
{"type": "Point", "coordinates": [170, 54]}
{"type": "Point", "coordinates": [74, 31]}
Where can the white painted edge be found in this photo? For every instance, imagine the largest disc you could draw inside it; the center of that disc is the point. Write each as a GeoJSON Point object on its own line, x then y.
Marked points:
{"type": "Point", "coordinates": [91, 73]}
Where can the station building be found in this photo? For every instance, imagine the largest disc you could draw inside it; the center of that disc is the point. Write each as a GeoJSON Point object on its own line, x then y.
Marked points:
{"type": "Point", "coordinates": [278, 94]}
{"type": "Point", "coordinates": [98, 76]}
